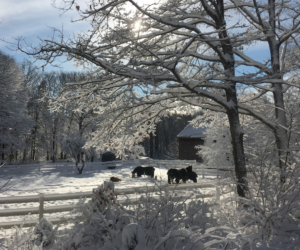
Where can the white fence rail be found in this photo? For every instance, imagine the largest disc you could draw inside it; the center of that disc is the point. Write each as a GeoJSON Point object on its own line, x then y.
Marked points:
{"type": "Point", "coordinates": [41, 198]}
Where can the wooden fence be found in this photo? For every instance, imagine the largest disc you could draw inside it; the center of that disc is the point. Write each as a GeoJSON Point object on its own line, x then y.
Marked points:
{"type": "Point", "coordinates": [41, 198]}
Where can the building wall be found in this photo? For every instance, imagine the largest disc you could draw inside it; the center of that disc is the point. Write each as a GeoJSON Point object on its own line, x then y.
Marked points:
{"type": "Point", "coordinates": [187, 149]}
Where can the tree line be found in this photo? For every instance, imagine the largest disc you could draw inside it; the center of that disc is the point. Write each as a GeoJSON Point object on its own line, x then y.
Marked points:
{"type": "Point", "coordinates": [32, 132]}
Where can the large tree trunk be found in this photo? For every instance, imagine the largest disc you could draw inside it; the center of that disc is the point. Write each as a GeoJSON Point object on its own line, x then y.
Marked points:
{"type": "Point", "coordinates": [232, 112]}
{"type": "Point", "coordinates": [238, 151]}
{"type": "Point", "coordinates": [281, 136]}
{"type": "Point", "coordinates": [228, 62]}
{"type": "Point", "coordinates": [280, 131]}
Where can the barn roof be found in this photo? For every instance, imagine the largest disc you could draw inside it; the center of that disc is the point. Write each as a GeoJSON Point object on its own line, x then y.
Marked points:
{"type": "Point", "coordinates": [191, 132]}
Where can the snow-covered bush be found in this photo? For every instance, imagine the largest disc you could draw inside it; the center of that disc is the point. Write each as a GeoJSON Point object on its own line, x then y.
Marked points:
{"type": "Point", "coordinates": [269, 215]}
{"type": "Point", "coordinates": [45, 232]}
{"type": "Point", "coordinates": [20, 239]}
{"type": "Point", "coordinates": [34, 238]}
{"type": "Point", "coordinates": [104, 196]}
{"type": "Point", "coordinates": [164, 222]}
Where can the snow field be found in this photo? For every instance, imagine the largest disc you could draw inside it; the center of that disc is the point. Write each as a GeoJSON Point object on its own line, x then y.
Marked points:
{"type": "Point", "coordinates": [67, 180]}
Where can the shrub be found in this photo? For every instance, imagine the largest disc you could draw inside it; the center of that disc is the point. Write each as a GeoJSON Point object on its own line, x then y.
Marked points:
{"type": "Point", "coordinates": [45, 232]}
{"type": "Point", "coordinates": [164, 221]}
{"type": "Point", "coordinates": [269, 215]}
{"type": "Point", "coordinates": [267, 219]}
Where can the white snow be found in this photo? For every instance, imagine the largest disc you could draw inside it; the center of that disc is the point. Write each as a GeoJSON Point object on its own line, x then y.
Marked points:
{"type": "Point", "coordinates": [190, 131]}
{"type": "Point", "coordinates": [65, 179]}
{"type": "Point", "coordinates": [27, 180]}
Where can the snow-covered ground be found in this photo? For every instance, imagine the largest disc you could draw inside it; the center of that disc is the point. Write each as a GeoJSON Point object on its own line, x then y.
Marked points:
{"type": "Point", "coordinates": [27, 180]}
{"type": "Point", "coordinates": [64, 179]}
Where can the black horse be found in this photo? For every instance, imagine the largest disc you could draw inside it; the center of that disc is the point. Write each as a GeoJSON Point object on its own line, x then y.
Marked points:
{"type": "Point", "coordinates": [143, 171]}
{"type": "Point", "coordinates": [192, 176]}
{"type": "Point", "coordinates": [179, 174]}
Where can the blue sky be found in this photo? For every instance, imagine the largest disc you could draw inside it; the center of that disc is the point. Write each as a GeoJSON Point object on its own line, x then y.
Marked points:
{"type": "Point", "coordinates": [33, 18]}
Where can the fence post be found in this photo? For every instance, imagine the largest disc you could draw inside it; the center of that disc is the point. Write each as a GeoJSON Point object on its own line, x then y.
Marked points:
{"type": "Point", "coordinates": [218, 193]}
{"type": "Point", "coordinates": [218, 171]}
{"type": "Point", "coordinates": [41, 208]}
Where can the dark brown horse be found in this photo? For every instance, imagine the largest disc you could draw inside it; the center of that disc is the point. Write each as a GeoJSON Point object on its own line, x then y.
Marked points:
{"type": "Point", "coordinates": [143, 171]}
{"type": "Point", "coordinates": [179, 174]}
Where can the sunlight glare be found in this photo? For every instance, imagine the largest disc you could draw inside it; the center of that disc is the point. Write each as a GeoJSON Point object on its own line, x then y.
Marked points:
{"type": "Point", "coordinates": [137, 25]}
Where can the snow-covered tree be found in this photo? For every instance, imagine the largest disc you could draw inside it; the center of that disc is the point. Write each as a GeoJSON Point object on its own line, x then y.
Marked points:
{"type": "Point", "coordinates": [51, 126]}
{"type": "Point", "coordinates": [47, 125]}
{"type": "Point", "coordinates": [217, 148]}
{"type": "Point", "coordinates": [33, 80]}
{"type": "Point", "coordinates": [14, 121]}
{"type": "Point", "coordinates": [276, 24]}
{"type": "Point", "coordinates": [150, 57]}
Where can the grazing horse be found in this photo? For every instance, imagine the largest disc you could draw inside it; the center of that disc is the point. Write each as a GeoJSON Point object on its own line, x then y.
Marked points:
{"type": "Point", "coordinates": [143, 171]}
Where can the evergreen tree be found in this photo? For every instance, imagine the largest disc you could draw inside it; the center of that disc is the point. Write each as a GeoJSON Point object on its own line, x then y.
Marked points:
{"type": "Point", "coordinates": [14, 120]}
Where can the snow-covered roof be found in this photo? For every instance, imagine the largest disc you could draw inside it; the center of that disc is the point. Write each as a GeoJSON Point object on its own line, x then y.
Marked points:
{"type": "Point", "coordinates": [191, 132]}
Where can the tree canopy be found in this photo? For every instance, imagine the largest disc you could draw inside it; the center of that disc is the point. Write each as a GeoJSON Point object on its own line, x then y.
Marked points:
{"type": "Point", "coordinates": [148, 58]}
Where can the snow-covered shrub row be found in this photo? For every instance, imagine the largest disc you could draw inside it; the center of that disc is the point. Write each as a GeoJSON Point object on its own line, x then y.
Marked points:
{"type": "Point", "coordinates": [164, 222]}
{"type": "Point", "coordinates": [266, 220]}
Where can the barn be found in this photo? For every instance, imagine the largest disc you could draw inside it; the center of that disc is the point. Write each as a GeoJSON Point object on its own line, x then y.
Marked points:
{"type": "Point", "coordinates": [188, 138]}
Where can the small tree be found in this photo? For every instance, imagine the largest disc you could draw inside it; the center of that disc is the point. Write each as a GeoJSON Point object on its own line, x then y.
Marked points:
{"type": "Point", "coordinates": [73, 146]}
